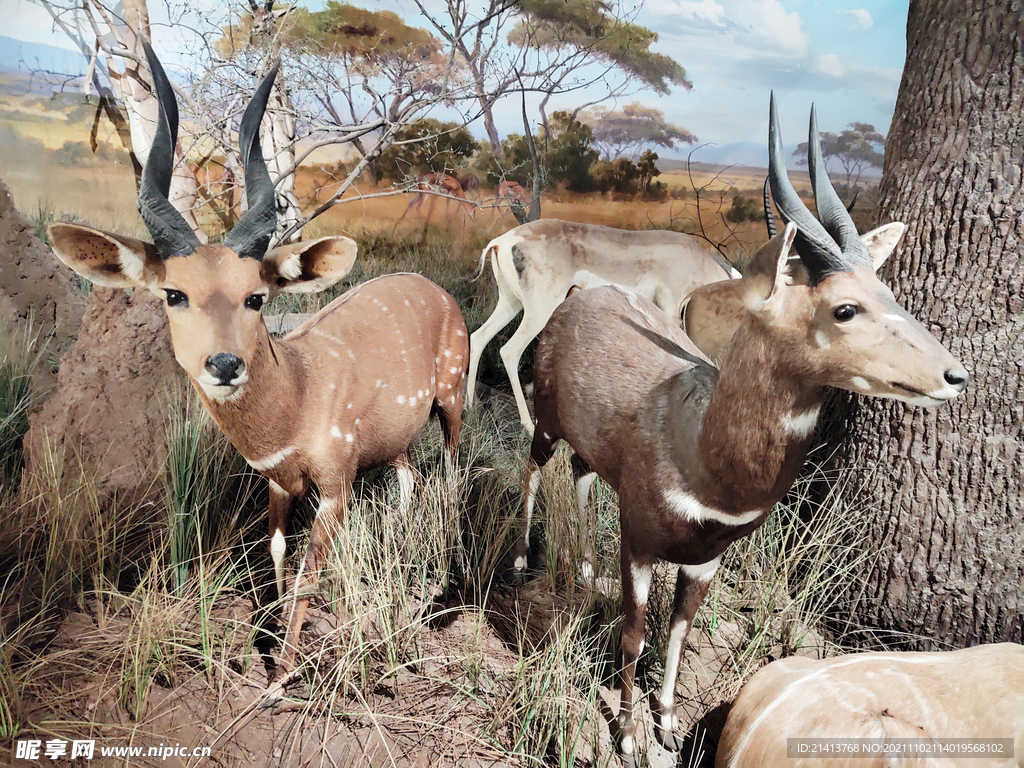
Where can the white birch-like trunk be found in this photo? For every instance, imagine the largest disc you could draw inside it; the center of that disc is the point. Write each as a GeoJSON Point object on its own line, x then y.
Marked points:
{"type": "Point", "coordinates": [279, 152]}
{"type": "Point", "coordinates": [132, 85]}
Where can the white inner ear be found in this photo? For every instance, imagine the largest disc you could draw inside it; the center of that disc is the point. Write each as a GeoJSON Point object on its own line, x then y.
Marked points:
{"type": "Point", "coordinates": [132, 266]}
{"type": "Point", "coordinates": [291, 267]}
{"type": "Point", "coordinates": [881, 242]}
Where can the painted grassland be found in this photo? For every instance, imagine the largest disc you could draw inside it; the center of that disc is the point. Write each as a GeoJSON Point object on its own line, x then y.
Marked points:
{"type": "Point", "coordinates": [416, 651]}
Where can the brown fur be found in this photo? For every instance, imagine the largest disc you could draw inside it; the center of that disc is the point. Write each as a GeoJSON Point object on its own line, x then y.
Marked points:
{"type": "Point", "coordinates": [975, 693]}
{"type": "Point", "coordinates": [350, 388]}
{"type": "Point", "coordinates": [699, 457]}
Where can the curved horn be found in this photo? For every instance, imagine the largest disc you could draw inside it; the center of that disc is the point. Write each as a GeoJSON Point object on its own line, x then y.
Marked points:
{"type": "Point", "coordinates": [849, 208]}
{"type": "Point", "coordinates": [172, 235]}
{"type": "Point", "coordinates": [831, 211]}
{"type": "Point", "coordinates": [769, 217]}
{"type": "Point", "coordinates": [251, 235]}
{"type": "Point", "coordinates": [818, 251]}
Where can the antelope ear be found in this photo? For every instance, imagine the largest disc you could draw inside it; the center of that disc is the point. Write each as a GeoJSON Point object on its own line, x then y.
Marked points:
{"type": "Point", "coordinates": [309, 267]}
{"type": "Point", "coordinates": [882, 242]}
{"type": "Point", "coordinates": [106, 259]}
{"type": "Point", "coordinates": [767, 271]}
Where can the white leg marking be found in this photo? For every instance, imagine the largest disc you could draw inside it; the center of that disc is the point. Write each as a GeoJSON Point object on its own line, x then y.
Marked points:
{"type": "Point", "coordinates": [627, 745]}
{"type": "Point", "coordinates": [641, 582]}
{"type": "Point", "coordinates": [406, 484]}
{"type": "Point", "coordinates": [668, 687]}
{"type": "Point", "coordinates": [583, 486]}
{"type": "Point", "coordinates": [277, 551]}
{"type": "Point", "coordinates": [531, 497]}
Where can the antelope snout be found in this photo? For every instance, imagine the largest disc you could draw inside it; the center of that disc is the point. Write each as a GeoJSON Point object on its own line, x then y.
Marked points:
{"type": "Point", "coordinates": [225, 367]}
{"type": "Point", "coordinates": [957, 377]}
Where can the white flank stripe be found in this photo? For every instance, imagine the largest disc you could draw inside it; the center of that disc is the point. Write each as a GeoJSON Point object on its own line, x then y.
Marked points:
{"type": "Point", "coordinates": [685, 505]}
{"type": "Point", "coordinates": [271, 461]}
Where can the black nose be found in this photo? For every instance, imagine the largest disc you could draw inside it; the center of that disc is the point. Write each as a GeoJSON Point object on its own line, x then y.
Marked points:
{"type": "Point", "coordinates": [957, 377]}
{"type": "Point", "coordinates": [225, 366]}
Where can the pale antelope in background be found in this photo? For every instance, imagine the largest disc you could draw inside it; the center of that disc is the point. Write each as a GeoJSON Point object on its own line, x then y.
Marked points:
{"type": "Point", "coordinates": [441, 185]}
{"type": "Point", "coordinates": [975, 693]}
{"type": "Point", "coordinates": [513, 194]}
{"type": "Point", "coordinates": [697, 456]}
{"type": "Point", "coordinates": [536, 264]}
{"type": "Point", "coordinates": [352, 387]}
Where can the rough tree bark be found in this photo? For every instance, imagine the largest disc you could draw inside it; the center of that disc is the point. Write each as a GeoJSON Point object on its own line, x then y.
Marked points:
{"type": "Point", "coordinates": [942, 487]}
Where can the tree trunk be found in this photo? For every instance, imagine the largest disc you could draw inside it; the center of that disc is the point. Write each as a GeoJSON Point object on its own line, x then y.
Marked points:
{"type": "Point", "coordinates": [941, 487]}
{"type": "Point", "coordinates": [280, 155]}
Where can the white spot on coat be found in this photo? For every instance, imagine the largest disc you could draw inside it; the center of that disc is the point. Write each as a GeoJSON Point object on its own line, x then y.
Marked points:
{"type": "Point", "coordinates": [335, 431]}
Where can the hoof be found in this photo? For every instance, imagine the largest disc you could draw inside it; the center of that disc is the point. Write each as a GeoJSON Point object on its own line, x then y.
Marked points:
{"type": "Point", "coordinates": [669, 740]}
{"type": "Point", "coordinates": [628, 761]}
{"type": "Point", "coordinates": [274, 696]}
{"type": "Point", "coordinates": [518, 577]}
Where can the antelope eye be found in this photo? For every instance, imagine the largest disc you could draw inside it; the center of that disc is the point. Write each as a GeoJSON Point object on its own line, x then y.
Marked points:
{"type": "Point", "coordinates": [176, 298]}
{"type": "Point", "coordinates": [254, 302]}
{"type": "Point", "coordinates": [844, 313]}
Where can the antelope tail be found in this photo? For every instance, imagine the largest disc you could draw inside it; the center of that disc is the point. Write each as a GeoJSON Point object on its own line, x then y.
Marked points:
{"type": "Point", "coordinates": [490, 250]}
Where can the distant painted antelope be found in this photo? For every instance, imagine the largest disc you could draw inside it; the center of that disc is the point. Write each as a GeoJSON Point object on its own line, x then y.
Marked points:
{"type": "Point", "coordinates": [441, 185]}
{"type": "Point", "coordinates": [974, 693]}
{"type": "Point", "coordinates": [536, 264]}
{"type": "Point", "coordinates": [351, 388]}
{"type": "Point", "coordinates": [699, 456]}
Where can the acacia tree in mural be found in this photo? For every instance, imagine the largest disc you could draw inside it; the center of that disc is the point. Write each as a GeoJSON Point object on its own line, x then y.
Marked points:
{"type": "Point", "coordinates": [549, 48]}
{"type": "Point", "coordinates": [942, 501]}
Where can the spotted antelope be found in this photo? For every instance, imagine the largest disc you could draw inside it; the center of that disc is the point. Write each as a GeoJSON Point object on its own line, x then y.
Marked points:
{"type": "Point", "coordinates": [350, 388]}
{"type": "Point", "coordinates": [700, 455]}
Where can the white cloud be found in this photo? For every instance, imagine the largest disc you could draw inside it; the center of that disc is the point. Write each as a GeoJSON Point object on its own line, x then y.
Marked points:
{"type": "Point", "coordinates": [829, 64]}
{"type": "Point", "coordinates": [708, 10]}
{"type": "Point", "coordinates": [861, 18]}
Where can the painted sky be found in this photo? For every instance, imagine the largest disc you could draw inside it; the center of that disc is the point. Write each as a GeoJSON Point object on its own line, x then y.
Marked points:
{"type": "Point", "coordinates": [844, 55]}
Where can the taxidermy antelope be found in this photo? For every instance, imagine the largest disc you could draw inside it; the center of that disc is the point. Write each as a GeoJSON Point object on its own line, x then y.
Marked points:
{"type": "Point", "coordinates": [712, 313]}
{"type": "Point", "coordinates": [974, 693]}
{"type": "Point", "coordinates": [536, 264]}
{"type": "Point", "coordinates": [699, 456]}
{"type": "Point", "coordinates": [350, 388]}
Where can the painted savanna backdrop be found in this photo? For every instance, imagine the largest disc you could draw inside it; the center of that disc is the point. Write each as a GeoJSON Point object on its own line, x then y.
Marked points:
{"type": "Point", "coordinates": [136, 599]}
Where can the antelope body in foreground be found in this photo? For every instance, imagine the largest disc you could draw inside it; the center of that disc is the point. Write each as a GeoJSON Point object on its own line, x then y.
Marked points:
{"type": "Point", "coordinates": [536, 264]}
{"type": "Point", "coordinates": [699, 456]}
{"type": "Point", "coordinates": [350, 388]}
{"type": "Point", "coordinates": [975, 693]}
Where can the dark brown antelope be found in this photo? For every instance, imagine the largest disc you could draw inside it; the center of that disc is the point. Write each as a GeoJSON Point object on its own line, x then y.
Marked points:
{"type": "Point", "coordinates": [352, 387]}
{"type": "Point", "coordinates": [974, 693]}
{"type": "Point", "coordinates": [699, 456]}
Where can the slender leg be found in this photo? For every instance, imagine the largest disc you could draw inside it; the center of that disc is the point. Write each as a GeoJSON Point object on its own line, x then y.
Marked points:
{"type": "Point", "coordinates": [585, 477]}
{"type": "Point", "coordinates": [406, 481]}
{"type": "Point", "coordinates": [541, 450]}
{"type": "Point", "coordinates": [636, 583]}
{"type": "Point", "coordinates": [504, 312]}
{"type": "Point", "coordinates": [531, 326]}
{"type": "Point", "coordinates": [281, 505]}
{"type": "Point", "coordinates": [692, 584]}
{"type": "Point", "coordinates": [329, 516]}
